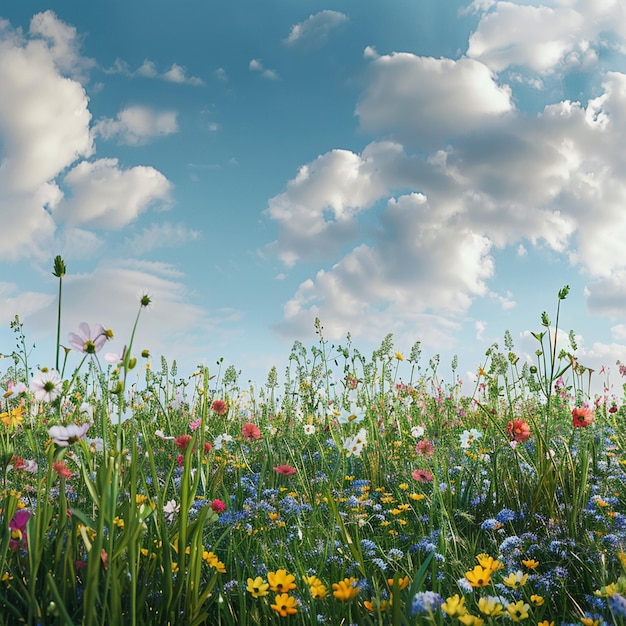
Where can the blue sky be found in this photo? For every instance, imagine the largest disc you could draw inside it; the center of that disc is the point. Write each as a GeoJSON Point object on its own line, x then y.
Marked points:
{"type": "Point", "coordinates": [435, 170]}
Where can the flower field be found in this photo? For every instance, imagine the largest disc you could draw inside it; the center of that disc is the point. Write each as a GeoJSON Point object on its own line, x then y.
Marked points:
{"type": "Point", "coordinates": [361, 490]}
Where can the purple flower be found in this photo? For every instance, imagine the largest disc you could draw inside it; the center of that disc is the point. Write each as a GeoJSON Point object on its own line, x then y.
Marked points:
{"type": "Point", "coordinates": [88, 342]}
{"type": "Point", "coordinates": [17, 528]}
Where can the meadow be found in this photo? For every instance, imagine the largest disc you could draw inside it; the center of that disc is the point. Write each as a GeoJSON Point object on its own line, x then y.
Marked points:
{"type": "Point", "coordinates": [361, 490]}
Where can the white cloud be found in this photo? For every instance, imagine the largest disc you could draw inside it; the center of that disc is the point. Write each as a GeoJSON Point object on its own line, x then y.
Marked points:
{"type": "Point", "coordinates": [149, 69]}
{"type": "Point", "coordinates": [160, 235]}
{"type": "Point", "coordinates": [618, 332]}
{"type": "Point", "coordinates": [607, 296]}
{"type": "Point", "coordinates": [544, 38]}
{"type": "Point", "coordinates": [137, 125]}
{"type": "Point", "coordinates": [316, 27]}
{"type": "Point", "coordinates": [13, 302]}
{"type": "Point", "coordinates": [63, 43]}
{"type": "Point", "coordinates": [425, 101]}
{"type": "Point", "coordinates": [105, 196]}
{"type": "Point", "coordinates": [255, 65]}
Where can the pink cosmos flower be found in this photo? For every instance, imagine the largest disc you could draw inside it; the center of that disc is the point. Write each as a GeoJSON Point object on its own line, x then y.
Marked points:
{"type": "Point", "coordinates": [251, 431]}
{"type": "Point", "coordinates": [193, 426]}
{"type": "Point", "coordinates": [285, 470]}
{"type": "Point", "coordinates": [422, 476]}
{"type": "Point", "coordinates": [582, 417]}
{"type": "Point", "coordinates": [67, 435]}
{"type": "Point", "coordinates": [88, 342]}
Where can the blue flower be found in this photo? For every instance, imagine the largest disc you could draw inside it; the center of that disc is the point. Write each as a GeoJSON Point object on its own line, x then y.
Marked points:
{"type": "Point", "coordinates": [426, 602]}
{"type": "Point", "coordinates": [617, 604]}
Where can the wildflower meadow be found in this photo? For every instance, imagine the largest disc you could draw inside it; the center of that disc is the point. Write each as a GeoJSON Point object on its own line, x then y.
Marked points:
{"type": "Point", "coordinates": [361, 490]}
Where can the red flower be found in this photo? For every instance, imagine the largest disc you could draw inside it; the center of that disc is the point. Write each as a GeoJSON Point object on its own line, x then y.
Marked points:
{"type": "Point", "coordinates": [208, 447]}
{"type": "Point", "coordinates": [220, 407]}
{"type": "Point", "coordinates": [285, 470]}
{"type": "Point", "coordinates": [251, 431]}
{"type": "Point", "coordinates": [218, 506]}
{"type": "Point", "coordinates": [182, 441]}
{"type": "Point", "coordinates": [425, 448]}
{"type": "Point", "coordinates": [422, 476]}
{"type": "Point", "coordinates": [180, 459]}
{"type": "Point", "coordinates": [518, 430]}
{"type": "Point", "coordinates": [582, 417]}
{"type": "Point", "coordinates": [61, 469]}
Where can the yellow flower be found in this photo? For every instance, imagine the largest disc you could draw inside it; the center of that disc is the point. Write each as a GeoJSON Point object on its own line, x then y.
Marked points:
{"type": "Point", "coordinates": [318, 591]}
{"type": "Point", "coordinates": [381, 605]}
{"type": "Point", "coordinates": [518, 611]}
{"type": "Point", "coordinates": [545, 623]}
{"type": "Point", "coordinates": [399, 356]}
{"type": "Point", "coordinates": [257, 587]}
{"type": "Point", "coordinates": [281, 581]}
{"type": "Point", "coordinates": [403, 583]}
{"type": "Point", "coordinates": [530, 563]}
{"type": "Point", "coordinates": [515, 579]}
{"type": "Point", "coordinates": [470, 620]}
{"type": "Point", "coordinates": [479, 576]}
{"type": "Point", "coordinates": [312, 581]}
{"type": "Point", "coordinates": [454, 606]}
{"type": "Point", "coordinates": [285, 604]}
{"type": "Point", "coordinates": [346, 589]}
{"type": "Point", "coordinates": [488, 562]}
{"type": "Point", "coordinates": [13, 418]}
{"type": "Point", "coordinates": [213, 561]}
{"type": "Point", "coordinates": [536, 600]}
{"type": "Point", "coordinates": [490, 606]}
{"type": "Point", "coordinates": [605, 592]}
{"type": "Point", "coordinates": [588, 621]}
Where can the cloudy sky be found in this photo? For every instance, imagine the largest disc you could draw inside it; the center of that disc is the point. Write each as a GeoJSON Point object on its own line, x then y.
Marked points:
{"type": "Point", "coordinates": [435, 170]}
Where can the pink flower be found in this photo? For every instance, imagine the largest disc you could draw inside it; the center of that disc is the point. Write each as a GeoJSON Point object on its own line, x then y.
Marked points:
{"type": "Point", "coordinates": [220, 407]}
{"type": "Point", "coordinates": [582, 417]}
{"type": "Point", "coordinates": [285, 470]}
{"type": "Point", "coordinates": [193, 426]}
{"type": "Point", "coordinates": [67, 435]}
{"type": "Point", "coordinates": [422, 476]}
{"type": "Point", "coordinates": [218, 506]}
{"type": "Point", "coordinates": [251, 431]}
{"type": "Point", "coordinates": [61, 469]}
{"type": "Point", "coordinates": [208, 447]}
{"type": "Point", "coordinates": [180, 459]}
{"type": "Point", "coordinates": [425, 448]}
{"type": "Point", "coordinates": [88, 342]}
{"type": "Point", "coordinates": [17, 529]}
{"type": "Point", "coordinates": [518, 430]}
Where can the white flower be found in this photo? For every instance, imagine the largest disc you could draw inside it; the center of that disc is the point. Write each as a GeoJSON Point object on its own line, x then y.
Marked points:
{"type": "Point", "coordinates": [161, 435]}
{"type": "Point", "coordinates": [46, 385]}
{"type": "Point", "coordinates": [468, 437]}
{"type": "Point", "coordinates": [66, 435]}
{"type": "Point", "coordinates": [220, 440]}
{"type": "Point", "coordinates": [417, 431]}
{"type": "Point", "coordinates": [309, 429]}
{"type": "Point", "coordinates": [354, 445]}
{"type": "Point", "coordinates": [170, 509]}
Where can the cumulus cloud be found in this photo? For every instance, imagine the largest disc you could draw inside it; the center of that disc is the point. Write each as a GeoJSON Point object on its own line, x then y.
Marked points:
{"type": "Point", "coordinates": [425, 101]}
{"type": "Point", "coordinates": [543, 38]}
{"type": "Point", "coordinates": [137, 125]}
{"type": "Point", "coordinates": [316, 27]}
{"type": "Point", "coordinates": [103, 195]}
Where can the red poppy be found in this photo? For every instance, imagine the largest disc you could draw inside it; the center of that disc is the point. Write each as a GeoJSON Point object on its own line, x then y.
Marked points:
{"type": "Point", "coordinates": [518, 430]}
{"type": "Point", "coordinates": [285, 470]}
{"type": "Point", "coordinates": [62, 469]}
{"type": "Point", "coordinates": [251, 431]}
{"type": "Point", "coordinates": [582, 417]}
